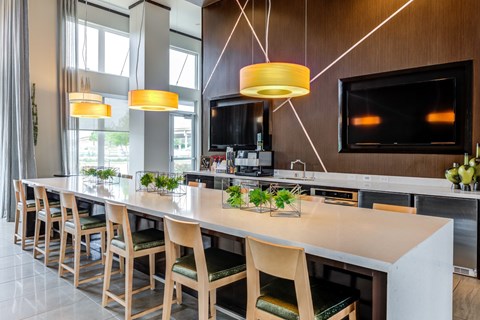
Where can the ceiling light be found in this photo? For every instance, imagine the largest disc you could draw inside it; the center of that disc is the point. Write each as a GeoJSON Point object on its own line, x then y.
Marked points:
{"type": "Point", "coordinates": [90, 110]}
{"type": "Point", "coordinates": [152, 100]}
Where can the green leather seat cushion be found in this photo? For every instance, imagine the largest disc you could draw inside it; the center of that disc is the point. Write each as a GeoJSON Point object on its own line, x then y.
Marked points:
{"type": "Point", "coordinates": [86, 223]}
{"type": "Point", "coordinates": [220, 264]}
{"type": "Point", "coordinates": [56, 212]}
{"type": "Point", "coordinates": [31, 203]}
{"type": "Point", "coordinates": [278, 298]}
{"type": "Point", "coordinates": [144, 239]}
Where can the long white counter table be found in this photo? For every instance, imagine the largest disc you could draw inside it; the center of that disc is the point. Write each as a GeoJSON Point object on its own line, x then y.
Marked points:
{"type": "Point", "coordinates": [415, 252]}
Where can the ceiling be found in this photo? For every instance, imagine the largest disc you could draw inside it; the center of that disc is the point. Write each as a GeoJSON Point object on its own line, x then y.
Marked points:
{"type": "Point", "coordinates": [185, 16]}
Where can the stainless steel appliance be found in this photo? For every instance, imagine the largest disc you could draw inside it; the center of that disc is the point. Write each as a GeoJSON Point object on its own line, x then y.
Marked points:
{"type": "Point", "coordinates": [337, 197]}
{"type": "Point", "coordinates": [254, 163]}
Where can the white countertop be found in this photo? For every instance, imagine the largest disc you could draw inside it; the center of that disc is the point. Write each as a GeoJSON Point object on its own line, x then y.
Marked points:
{"type": "Point", "coordinates": [412, 185]}
{"type": "Point", "coordinates": [363, 237]}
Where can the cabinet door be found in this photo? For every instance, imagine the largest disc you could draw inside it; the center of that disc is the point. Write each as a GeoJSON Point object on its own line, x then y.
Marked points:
{"type": "Point", "coordinates": [366, 198]}
{"type": "Point", "coordinates": [464, 213]}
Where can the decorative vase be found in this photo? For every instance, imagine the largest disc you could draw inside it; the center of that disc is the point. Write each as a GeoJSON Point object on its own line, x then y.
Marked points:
{"type": "Point", "coordinates": [466, 173]}
{"type": "Point", "coordinates": [285, 200]}
{"type": "Point", "coordinates": [452, 175]}
{"type": "Point", "coordinates": [475, 163]}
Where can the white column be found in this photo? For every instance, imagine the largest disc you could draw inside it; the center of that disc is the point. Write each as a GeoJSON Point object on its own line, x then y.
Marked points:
{"type": "Point", "coordinates": [149, 131]}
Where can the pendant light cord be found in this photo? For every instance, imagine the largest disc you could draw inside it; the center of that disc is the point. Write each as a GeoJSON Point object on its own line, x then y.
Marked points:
{"type": "Point", "coordinates": [267, 27]}
{"type": "Point", "coordinates": [306, 26]}
{"type": "Point", "coordinates": [139, 42]}
{"type": "Point", "coordinates": [83, 87]}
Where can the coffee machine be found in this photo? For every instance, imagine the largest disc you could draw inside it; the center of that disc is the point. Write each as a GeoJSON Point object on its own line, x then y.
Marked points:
{"type": "Point", "coordinates": [254, 163]}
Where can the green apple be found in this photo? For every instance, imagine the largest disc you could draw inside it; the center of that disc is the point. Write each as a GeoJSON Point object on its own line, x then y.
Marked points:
{"type": "Point", "coordinates": [475, 163]}
{"type": "Point", "coordinates": [452, 175]}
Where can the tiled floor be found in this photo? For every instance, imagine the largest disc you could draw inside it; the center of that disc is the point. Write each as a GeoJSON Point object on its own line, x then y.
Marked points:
{"type": "Point", "coordinates": [28, 290]}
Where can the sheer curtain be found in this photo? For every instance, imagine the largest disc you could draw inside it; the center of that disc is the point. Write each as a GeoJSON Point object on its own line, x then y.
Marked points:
{"type": "Point", "coordinates": [67, 82]}
{"type": "Point", "coordinates": [17, 153]}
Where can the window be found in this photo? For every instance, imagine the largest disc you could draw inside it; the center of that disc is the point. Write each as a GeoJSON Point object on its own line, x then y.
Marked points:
{"type": "Point", "coordinates": [105, 142]}
{"type": "Point", "coordinates": [102, 43]}
{"type": "Point", "coordinates": [182, 138]}
{"type": "Point", "coordinates": [183, 68]}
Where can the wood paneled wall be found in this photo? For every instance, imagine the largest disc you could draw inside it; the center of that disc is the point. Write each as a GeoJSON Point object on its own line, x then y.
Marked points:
{"type": "Point", "coordinates": [427, 32]}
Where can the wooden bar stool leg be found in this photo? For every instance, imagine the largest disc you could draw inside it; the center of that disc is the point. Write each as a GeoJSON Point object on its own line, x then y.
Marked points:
{"type": "Point", "coordinates": [202, 302]}
{"type": "Point", "coordinates": [17, 221]}
{"type": "Point", "coordinates": [121, 261]}
{"type": "Point", "coordinates": [168, 295]}
{"type": "Point", "coordinates": [102, 246]}
{"type": "Point", "coordinates": [61, 259]}
{"type": "Point", "coordinates": [48, 230]}
{"type": "Point", "coordinates": [213, 302]}
{"type": "Point", "coordinates": [107, 276]}
{"type": "Point", "coordinates": [87, 244]}
{"type": "Point", "coordinates": [128, 288]}
{"type": "Point", "coordinates": [76, 263]}
{"type": "Point", "coordinates": [24, 229]}
{"type": "Point", "coordinates": [151, 259]}
{"type": "Point", "coordinates": [36, 237]}
{"type": "Point", "coordinates": [178, 292]}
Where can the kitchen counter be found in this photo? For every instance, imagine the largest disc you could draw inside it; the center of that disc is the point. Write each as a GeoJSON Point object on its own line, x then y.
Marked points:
{"type": "Point", "coordinates": [414, 251]}
{"type": "Point", "coordinates": [424, 186]}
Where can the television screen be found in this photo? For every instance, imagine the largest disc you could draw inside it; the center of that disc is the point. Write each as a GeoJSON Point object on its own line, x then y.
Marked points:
{"type": "Point", "coordinates": [423, 111]}
{"type": "Point", "coordinates": [236, 123]}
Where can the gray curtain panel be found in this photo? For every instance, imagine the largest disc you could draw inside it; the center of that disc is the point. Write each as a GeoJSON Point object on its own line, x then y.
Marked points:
{"type": "Point", "coordinates": [67, 82]}
{"type": "Point", "coordinates": [17, 153]}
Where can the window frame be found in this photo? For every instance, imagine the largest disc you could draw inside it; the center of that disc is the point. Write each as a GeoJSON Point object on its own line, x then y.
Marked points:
{"type": "Point", "coordinates": [197, 68]}
{"type": "Point", "coordinates": [186, 114]}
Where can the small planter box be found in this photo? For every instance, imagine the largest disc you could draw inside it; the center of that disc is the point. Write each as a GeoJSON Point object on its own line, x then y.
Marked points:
{"type": "Point", "coordinates": [233, 196]}
{"type": "Point", "coordinates": [250, 189]}
{"type": "Point", "coordinates": [138, 181]}
{"type": "Point", "coordinates": [285, 200]}
{"type": "Point", "coordinates": [173, 184]}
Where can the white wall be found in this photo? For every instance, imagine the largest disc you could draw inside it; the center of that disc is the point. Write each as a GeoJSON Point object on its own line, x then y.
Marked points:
{"type": "Point", "coordinates": [43, 72]}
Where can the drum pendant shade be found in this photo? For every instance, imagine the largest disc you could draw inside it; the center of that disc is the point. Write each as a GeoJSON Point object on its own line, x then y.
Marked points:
{"type": "Point", "coordinates": [152, 100]}
{"type": "Point", "coordinates": [90, 110]}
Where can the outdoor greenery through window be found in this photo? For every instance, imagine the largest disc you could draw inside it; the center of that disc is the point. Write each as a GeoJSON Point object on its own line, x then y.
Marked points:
{"type": "Point", "coordinates": [105, 142]}
{"type": "Point", "coordinates": [103, 42]}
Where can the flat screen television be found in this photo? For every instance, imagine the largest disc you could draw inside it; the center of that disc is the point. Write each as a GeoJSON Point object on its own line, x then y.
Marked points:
{"type": "Point", "coordinates": [236, 121]}
{"type": "Point", "coordinates": [421, 110]}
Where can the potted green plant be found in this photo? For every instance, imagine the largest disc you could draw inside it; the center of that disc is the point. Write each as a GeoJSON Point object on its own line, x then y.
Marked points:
{"type": "Point", "coordinates": [257, 198]}
{"type": "Point", "coordinates": [285, 200]}
{"type": "Point", "coordinates": [145, 180]}
{"type": "Point", "coordinates": [106, 174]}
{"type": "Point", "coordinates": [161, 182]}
{"type": "Point", "coordinates": [235, 197]}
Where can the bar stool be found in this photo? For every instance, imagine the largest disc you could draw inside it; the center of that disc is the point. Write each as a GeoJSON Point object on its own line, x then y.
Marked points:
{"type": "Point", "coordinates": [204, 270]}
{"type": "Point", "coordinates": [129, 245]}
{"type": "Point", "coordinates": [49, 213]}
{"type": "Point", "coordinates": [292, 295]}
{"type": "Point", "coordinates": [73, 224]}
{"type": "Point", "coordinates": [393, 208]}
{"type": "Point", "coordinates": [22, 208]}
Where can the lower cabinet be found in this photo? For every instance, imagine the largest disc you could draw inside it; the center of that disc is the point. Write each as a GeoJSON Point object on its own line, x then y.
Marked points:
{"type": "Point", "coordinates": [366, 199]}
{"type": "Point", "coordinates": [464, 213]}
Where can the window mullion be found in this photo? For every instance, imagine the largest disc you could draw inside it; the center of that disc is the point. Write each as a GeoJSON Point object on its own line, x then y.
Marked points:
{"type": "Point", "coordinates": [101, 50]}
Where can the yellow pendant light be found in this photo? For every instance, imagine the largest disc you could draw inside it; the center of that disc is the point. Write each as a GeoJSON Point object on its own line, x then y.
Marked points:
{"type": "Point", "coordinates": [275, 79]}
{"type": "Point", "coordinates": [90, 110]}
{"type": "Point", "coordinates": [150, 100]}
{"type": "Point", "coordinates": [85, 104]}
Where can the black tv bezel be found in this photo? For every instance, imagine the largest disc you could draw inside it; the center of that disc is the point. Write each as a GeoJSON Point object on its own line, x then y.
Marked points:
{"type": "Point", "coordinates": [231, 99]}
{"type": "Point", "coordinates": [463, 73]}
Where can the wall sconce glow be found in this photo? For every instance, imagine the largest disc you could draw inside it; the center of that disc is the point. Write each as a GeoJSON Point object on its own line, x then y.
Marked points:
{"type": "Point", "coordinates": [366, 121]}
{"type": "Point", "coordinates": [441, 117]}
{"type": "Point", "coordinates": [75, 97]}
{"type": "Point", "coordinates": [90, 110]}
{"type": "Point", "coordinates": [274, 80]}
{"type": "Point", "coordinates": [152, 100]}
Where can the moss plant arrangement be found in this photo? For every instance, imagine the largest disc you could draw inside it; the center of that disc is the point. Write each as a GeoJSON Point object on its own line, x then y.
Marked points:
{"type": "Point", "coordinates": [258, 197]}
{"type": "Point", "coordinates": [147, 179]}
{"type": "Point", "coordinates": [283, 197]}
{"type": "Point", "coordinates": [234, 196]}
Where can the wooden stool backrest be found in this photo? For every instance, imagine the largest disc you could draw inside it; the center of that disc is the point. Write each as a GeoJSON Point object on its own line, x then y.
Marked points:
{"type": "Point", "coordinates": [118, 214]}
{"type": "Point", "coordinates": [393, 208]}
{"type": "Point", "coordinates": [197, 184]}
{"type": "Point", "coordinates": [19, 193]}
{"type": "Point", "coordinates": [41, 200]}
{"type": "Point", "coordinates": [279, 261]}
{"type": "Point", "coordinates": [67, 201]}
{"type": "Point", "coordinates": [185, 234]}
